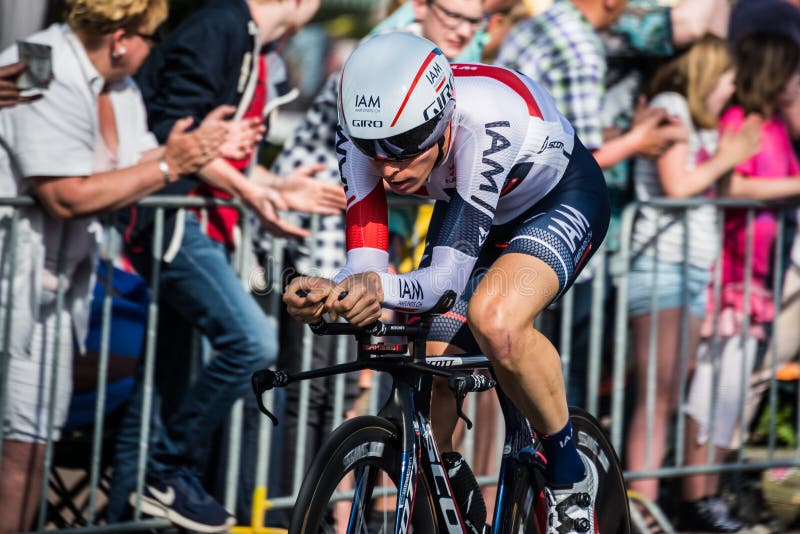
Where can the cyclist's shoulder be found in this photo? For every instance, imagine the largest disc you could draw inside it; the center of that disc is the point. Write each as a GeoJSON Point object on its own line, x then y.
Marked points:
{"type": "Point", "coordinates": [484, 89]}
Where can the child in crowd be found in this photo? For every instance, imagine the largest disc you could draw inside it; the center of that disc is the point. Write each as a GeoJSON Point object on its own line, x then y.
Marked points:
{"type": "Point", "coordinates": [694, 87]}
{"type": "Point", "coordinates": [767, 79]}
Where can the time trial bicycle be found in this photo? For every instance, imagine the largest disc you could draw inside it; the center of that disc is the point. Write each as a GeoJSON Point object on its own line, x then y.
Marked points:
{"type": "Point", "coordinates": [384, 474]}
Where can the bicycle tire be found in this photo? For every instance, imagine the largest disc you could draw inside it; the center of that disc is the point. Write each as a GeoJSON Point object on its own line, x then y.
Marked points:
{"type": "Point", "coordinates": [612, 508]}
{"type": "Point", "coordinates": [358, 445]}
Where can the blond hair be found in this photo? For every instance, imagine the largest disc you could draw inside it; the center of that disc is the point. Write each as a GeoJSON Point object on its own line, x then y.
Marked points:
{"type": "Point", "coordinates": [694, 74]}
{"type": "Point", "coordinates": [95, 18]}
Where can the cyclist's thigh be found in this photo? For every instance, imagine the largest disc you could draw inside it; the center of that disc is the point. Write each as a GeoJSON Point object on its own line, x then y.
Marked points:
{"type": "Point", "coordinates": [452, 328]}
{"type": "Point", "coordinates": [568, 225]}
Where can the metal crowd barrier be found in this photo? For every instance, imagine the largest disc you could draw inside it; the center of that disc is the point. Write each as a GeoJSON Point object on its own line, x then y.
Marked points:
{"type": "Point", "coordinates": [610, 406]}
{"type": "Point", "coordinates": [743, 461]}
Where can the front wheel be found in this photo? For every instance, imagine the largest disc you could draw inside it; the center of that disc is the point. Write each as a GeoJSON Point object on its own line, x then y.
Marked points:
{"type": "Point", "coordinates": [352, 484]}
{"type": "Point", "coordinates": [613, 513]}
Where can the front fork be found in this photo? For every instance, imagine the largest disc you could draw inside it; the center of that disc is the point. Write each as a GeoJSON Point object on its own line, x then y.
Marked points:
{"type": "Point", "coordinates": [412, 405]}
{"type": "Point", "coordinates": [420, 452]}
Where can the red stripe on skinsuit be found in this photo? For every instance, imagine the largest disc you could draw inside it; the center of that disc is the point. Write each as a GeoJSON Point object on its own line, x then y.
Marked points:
{"type": "Point", "coordinates": [504, 76]}
{"type": "Point", "coordinates": [367, 221]}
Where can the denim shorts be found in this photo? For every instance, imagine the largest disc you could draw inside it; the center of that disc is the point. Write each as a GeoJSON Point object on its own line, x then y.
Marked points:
{"type": "Point", "coordinates": [668, 286]}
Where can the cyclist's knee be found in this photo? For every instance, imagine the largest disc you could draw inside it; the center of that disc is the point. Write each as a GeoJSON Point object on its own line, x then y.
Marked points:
{"type": "Point", "coordinates": [496, 327]}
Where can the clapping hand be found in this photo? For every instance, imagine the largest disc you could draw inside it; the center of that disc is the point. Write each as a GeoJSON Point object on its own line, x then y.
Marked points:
{"type": "Point", "coordinates": [302, 192]}
{"type": "Point", "coordinates": [242, 138]}
{"type": "Point", "coordinates": [187, 152]}
{"type": "Point", "coordinates": [266, 201]}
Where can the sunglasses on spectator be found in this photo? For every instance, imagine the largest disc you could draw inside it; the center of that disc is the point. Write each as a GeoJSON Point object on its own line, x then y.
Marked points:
{"type": "Point", "coordinates": [453, 20]}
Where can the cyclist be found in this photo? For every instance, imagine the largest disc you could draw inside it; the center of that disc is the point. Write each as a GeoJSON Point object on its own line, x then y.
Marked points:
{"type": "Point", "coordinates": [520, 207]}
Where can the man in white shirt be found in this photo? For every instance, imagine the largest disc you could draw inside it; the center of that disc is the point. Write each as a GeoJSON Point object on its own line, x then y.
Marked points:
{"type": "Point", "coordinates": [81, 149]}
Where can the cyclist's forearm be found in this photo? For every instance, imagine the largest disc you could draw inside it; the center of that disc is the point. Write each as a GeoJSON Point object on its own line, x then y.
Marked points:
{"type": "Point", "coordinates": [363, 259]}
{"type": "Point", "coordinates": [421, 289]}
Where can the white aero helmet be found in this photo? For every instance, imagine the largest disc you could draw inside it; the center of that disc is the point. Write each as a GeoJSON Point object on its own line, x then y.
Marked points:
{"type": "Point", "coordinates": [395, 95]}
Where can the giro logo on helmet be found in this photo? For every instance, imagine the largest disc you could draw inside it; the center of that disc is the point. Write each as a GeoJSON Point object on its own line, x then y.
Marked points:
{"type": "Point", "coordinates": [367, 124]}
{"type": "Point", "coordinates": [438, 105]}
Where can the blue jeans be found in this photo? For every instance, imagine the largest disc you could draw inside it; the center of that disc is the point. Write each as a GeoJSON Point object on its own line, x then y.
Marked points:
{"type": "Point", "coordinates": [200, 289]}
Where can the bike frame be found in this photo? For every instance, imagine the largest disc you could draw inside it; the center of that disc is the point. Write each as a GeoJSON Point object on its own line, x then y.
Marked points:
{"type": "Point", "coordinates": [408, 407]}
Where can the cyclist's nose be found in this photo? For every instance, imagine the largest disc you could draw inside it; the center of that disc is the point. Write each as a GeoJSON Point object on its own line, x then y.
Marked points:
{"type": "Point", "coordinates": [388, 169]}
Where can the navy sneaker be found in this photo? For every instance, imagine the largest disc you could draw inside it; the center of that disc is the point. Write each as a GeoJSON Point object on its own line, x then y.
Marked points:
{"type": "Point", "coordinates": [182, 500]}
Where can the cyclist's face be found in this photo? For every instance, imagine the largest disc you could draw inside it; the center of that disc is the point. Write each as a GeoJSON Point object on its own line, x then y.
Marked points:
{"type": "Point", "coordinates": [407, 176]}
{"type": "Point", "coordinates": [450, 24]}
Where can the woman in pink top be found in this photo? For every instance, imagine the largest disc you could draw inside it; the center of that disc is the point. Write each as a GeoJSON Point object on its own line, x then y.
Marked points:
{"type": "Point", "coordinates": [767, 79]}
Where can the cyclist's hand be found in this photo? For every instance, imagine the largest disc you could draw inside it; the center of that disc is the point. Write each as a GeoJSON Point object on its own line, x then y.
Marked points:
{"type": "Point", "coordinates": [362, 305]}
{"type": "Point", "coordinates": [309, 308]}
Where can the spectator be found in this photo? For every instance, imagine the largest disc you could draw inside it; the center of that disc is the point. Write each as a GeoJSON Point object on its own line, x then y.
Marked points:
{"type": "Point", "coordinates": [766, 80]}
{"type": "Point", "coordinates": [426, 17]}
{"type": "Point", "coordinates": [695, 87]}
{"type": "Point", "coordinates": [219, 55]}
{"type": "Point", "coordinates": [782, 16]}
{"type": "Point", "coordinates": [10, 94]}
{"type": "Point", "coordinates": [573, 70]}
{"type": "Point", "coordinates": [451, 24]}
{"type": "Point", "coordinates": [778, 16]}
{"type": "Point", "coordinates": [647, 33]}
{"type": "Point", "coordinates": [81, 149]}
